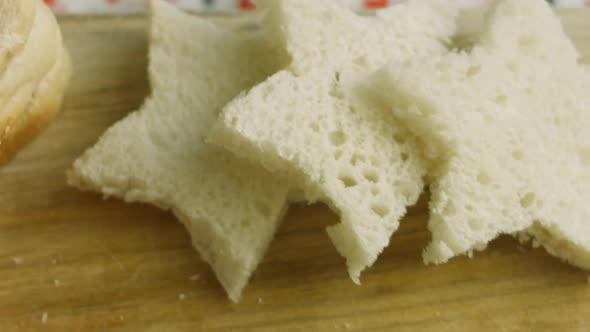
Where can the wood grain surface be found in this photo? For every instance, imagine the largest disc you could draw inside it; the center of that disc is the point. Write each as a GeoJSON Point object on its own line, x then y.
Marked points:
{"type": "Point", "coordinates": [71, 261]}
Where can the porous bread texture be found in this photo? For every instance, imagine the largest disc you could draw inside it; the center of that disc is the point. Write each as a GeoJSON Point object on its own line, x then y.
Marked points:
{"type": "Point", "coordinates": [158, 154]}
{"type": "Point", "coordinates": [299, 124]}
{"type": "Point", "coordinates": [505, 127]}
{"type": "Point", "coordinates": [35, 72]}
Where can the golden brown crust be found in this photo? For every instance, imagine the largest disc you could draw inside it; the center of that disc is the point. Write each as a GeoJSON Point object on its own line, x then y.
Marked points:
{"type": "Point", "coordinates": [32, 105]}
{"type": "Point", "coordinates": [47, 103]}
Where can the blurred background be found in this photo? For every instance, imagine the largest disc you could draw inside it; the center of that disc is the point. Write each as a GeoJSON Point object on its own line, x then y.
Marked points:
{"type": "Point", "coordinates": [81, 7]}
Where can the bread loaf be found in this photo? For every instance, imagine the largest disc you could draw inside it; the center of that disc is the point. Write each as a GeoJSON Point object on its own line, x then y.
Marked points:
{"type": "Point", "coordinates": [35, 70]}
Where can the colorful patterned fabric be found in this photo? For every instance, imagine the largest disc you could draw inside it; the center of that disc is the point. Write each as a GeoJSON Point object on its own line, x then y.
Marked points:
{"type": "Point", "coordinates": [138, 6]}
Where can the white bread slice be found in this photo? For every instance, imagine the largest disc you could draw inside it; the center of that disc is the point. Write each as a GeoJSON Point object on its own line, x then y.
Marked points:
{"type": "Point", "coordinates": [158, 154]}
{"type": "Point", "coordinates": [35, 69]}
{"type": "Point", "coordinates": [505, 127]}
{"type": "Point", "coordinates": [298, 122]}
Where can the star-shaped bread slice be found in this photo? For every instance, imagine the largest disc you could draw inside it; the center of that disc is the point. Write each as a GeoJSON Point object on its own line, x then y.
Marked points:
{"type": "Point", "coordinates": [506, 128]}
{"type": "Point", "coordinates": [299, 124]}
{"type": "Point", "coordinates": [158, 154]}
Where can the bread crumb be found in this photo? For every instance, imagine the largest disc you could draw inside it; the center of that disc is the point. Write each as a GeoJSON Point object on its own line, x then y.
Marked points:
{"type": "Point", "coordinates": [118, 262]}
{"type": "Point", "coordinates": [54, 261]}
{"type": "Point", "coordinates": [259, 300]}
{"type": "Point", "coordinates": [56, 283]}
{"type": "Point", "coordinates": [194, 277]}
{"type": "Point", "coordinates": [44, 318]}
{"type": "Point", "coordinates": [121, 317]}
{"type": "Point", "coordinates": [347, 326]}
{"type": "Point", "coordinates": [182, 296]}
{"type": "Point", "coordinates": [17, 260]}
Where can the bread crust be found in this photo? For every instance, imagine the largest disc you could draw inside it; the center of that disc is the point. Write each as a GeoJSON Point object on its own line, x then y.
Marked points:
{"type": "Point", "coordinates": [31, 98]}
{"type": "Point", "coordinates": [44, 107]}
{"type": "Point", "coordinates": [15, 25]}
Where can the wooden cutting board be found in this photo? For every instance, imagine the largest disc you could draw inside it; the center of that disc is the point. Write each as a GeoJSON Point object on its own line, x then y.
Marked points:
{"type": "Point", "coordinates": [88, 264]}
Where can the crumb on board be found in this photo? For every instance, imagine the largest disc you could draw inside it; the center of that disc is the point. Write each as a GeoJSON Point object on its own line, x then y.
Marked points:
{"type": "Point", "coordinates": [181, 296]}
{"type": "Point", "coordinates": [260, 300]}
{"type": "Point", "coordinates": [121, 317]}
{"type": "Point", "coordinates": [342, 326]}
{"type": "Point", "coordinates": [44, 318]}
{"type": "Point", "coordinates": [56, 282]}
{"type": "Point", "coordinates": [17, 260]}
{"type": "Point", "coordinates": [194, 277]}
{"type": "Point", "coordinates": [54, 261]}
